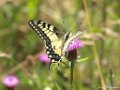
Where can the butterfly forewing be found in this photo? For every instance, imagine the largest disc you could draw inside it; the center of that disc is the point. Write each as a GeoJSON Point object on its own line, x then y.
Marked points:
{"type": "Point", "coordinates": [51, 36]}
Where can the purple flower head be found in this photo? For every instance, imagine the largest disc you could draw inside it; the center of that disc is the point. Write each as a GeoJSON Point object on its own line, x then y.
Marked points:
{"type": "Point", "coordinates": [44, 58]}
{"type": "Point", "coordinates": [10, 81]}
{"type": "Point", "coordinates": [71, 52]}
{"type": "Point", "coordinates": [75, 44]}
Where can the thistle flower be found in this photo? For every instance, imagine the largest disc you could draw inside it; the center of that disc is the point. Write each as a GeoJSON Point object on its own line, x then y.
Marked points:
{"type": "Point", "coordinates": [71, 53]}
{"type": "Point", "coordinates": [75, 44]}
{"type": "Point", "coordinates": [10, 82]}
{"type": "Point", "coordinates": [44, 58]}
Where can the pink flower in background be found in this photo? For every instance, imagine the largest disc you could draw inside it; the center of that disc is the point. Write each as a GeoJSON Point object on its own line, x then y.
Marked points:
{"type": "Point", "coordinates": [44, 58]}
{"type": "Point", "coordinates": [75, 44]}
{"type": "Point", "coordinates": [10, 81]}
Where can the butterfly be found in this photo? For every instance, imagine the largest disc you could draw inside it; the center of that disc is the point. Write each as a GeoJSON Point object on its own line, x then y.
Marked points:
{"type": "Point", "coordinates": [56, 41]}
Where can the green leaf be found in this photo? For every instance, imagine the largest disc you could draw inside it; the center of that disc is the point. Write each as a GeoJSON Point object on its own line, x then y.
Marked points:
{"type": "Point", "coordinates": [83, 59]}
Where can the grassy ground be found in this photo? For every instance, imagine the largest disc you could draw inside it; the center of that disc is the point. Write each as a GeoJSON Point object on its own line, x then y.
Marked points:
{"type": "Point", "coordinates": [20, 46]}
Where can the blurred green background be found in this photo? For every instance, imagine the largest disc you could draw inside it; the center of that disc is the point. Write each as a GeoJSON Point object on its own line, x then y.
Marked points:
{"type": "Point", "coordinates": [20, 46]}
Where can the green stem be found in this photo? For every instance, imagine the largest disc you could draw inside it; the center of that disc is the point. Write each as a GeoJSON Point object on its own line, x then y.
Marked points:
{"type": "Point", "coordinates": [72, 64]}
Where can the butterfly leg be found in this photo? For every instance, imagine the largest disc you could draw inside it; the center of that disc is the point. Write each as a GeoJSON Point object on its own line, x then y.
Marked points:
{"type": "Point", "coordinates": [49, 65]}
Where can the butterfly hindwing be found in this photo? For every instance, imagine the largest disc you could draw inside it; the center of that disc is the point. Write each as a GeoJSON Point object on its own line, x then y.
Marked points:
{"type": "Point", "coordinates": [51, 36]}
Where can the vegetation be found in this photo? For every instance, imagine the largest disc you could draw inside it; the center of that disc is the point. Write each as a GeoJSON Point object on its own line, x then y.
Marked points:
{"type": "Point", "coordinates": [20, 47]}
